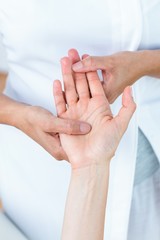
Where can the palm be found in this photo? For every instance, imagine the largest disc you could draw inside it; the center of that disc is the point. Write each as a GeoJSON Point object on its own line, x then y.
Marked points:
{"type": "Point", "coordinates": [92, 107]}
{"type": "Point", "coordinates": [104, 133]}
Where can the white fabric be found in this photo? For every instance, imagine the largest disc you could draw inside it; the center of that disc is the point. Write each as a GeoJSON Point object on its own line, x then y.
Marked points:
{"type": "Point", "coordinates": [145, 210]}
{"type": "Point", "coordinates": [36, 35]}
{"type": "Point", "coordinates": [8, 231]}
{"type": "Point", "coordinates": [148, 89]}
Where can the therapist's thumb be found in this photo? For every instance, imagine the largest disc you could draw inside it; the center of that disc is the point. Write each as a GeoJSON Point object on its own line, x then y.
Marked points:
{"type": "Point", "coordinates": [90, 64]}
{"type": "Point", "coordinates": [126, 112]}
{"type": "Point", "coordinates": [68, 126]}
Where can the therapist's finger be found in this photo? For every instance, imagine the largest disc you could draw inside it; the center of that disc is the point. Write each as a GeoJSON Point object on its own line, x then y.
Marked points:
{"type": "Point", "coordinates": [126, 112]}
{"type": "Point", "coordinates": [69, 84]}
{"type": "Point", "coordinates": [80, 78]}
{"type": "Point", "coordinates": [67, 126]}
{"type": "Point", "coordinates": [84, 56]}
{"type": "Point", "coordinates": [90, 63]}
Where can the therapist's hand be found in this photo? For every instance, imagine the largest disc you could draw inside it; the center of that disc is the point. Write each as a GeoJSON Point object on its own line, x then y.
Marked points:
{"type": "Point", "coordinates": [44, 128]}
{"type": "Point", "coordinates": [119, 70]}
{"type": "Point", "coordinates": [86, 101]}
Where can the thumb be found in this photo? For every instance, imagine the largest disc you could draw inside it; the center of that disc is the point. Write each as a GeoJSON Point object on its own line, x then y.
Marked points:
{"type": "Point", "coordinates": [126, 112]}
{"type": "Point", "coordinates": [70, 127]}
{"type": "Point", "coordinates": [90, 64]}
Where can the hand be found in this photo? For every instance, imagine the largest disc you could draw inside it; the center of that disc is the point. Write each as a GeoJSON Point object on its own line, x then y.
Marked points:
{"type": "Point", "coordinates": [91, 105]}
{"type": "Point", "coordinates": [44, 128]}
{"type": "Point", "coordinates": [119, 71]}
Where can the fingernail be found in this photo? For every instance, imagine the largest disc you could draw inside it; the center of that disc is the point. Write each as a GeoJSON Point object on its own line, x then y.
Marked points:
{"type": "Point", "coordinates": [85, 128]}
{"type": "Point", "coordinates": [77, 66]}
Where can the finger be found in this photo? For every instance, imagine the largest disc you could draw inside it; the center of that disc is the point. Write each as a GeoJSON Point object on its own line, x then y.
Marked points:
{"type": "Point", "coordinates": [67, 126]}
{"type": "Point", "coordinates": [73, 55]}
{"type": "Point", "coordinates": [59, 97]}
{"type": "Point", "coordinates": [54, 148]}
{"type": "Point", "coordinates": [90, 64]}
{"type": "Point", "coordinates": [80, 78]}
{"type": "Point", "coordinates": [126, 112]}
{"type": "Point", "coordinates": [95, 88]}
{"type": "Point", "coordinates": [95, 85]}
{"type": "Point", "coordinates": [69, 85]}
{"type": "Point", "coordinates": [89, 75]}
{"type": "Point", "coordinates": [84, 56]}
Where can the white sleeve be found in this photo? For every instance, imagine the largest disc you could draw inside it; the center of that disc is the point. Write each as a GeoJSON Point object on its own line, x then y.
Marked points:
{"type": "Point", "coordinates": [8, 231]}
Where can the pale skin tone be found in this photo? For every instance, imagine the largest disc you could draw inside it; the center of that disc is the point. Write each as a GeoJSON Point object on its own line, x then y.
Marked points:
{"type": "Point", "coordinates": [39, 124]}
{"type": "Point", "coordinates": [93, 166]}
{"type": "Point", "coordinates": [119, 70]}
{"type": "Point", "coordinates": [89, 155]}
{"type": "Point", "coordinates": [122, 69]}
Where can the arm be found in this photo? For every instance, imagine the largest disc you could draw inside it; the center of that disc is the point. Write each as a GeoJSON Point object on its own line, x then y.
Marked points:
{"type": "Point", "coordinates": [88, 155]}
{"type": "Point", "coordinates": [39, 124]}
{"type": "Point", "coordinates": [3, 76]}
{"type": "Point", "coordinates": [122, 69]}
{"type": "Point", "coordinates": [1, 205]}
{"type": "Point", "coordinates": [86, 203]}
{"type": "Point", "coordinates": [10, 110]}
{"type": "Point", "coordinates": [150, 60]}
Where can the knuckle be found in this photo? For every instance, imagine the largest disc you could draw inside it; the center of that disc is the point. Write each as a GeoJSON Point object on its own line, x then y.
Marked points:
{"type": "Point", "coordinates": [89, 61]}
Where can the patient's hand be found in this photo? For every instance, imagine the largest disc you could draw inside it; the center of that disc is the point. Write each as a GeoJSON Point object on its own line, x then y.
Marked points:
{"type": "Point", "coordinates": [85, 100]}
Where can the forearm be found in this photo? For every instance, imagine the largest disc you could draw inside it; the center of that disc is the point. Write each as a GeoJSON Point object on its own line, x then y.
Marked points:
{"type": "Point", "coordinates": [86, 203]}
{"type": "Point", "coordinates": [149, 63]}
{"type": "Point", "coordinates": [11, 111]}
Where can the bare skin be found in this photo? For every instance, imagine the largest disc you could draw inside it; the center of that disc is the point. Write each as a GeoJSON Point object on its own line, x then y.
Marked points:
{"type": "Point", "coordinates": [89, 155]}
{"type": "Point", "coordinates": [39, 124]}
{"type": "Point", "coordinates": [122, 69]}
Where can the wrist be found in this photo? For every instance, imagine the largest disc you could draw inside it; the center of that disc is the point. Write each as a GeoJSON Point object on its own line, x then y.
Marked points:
{"type": "Point", "coordinates": [151, 62]}
{"type": "Point", "coordinates": [11, 112]}
{"type": "Point", "coordinates": [137, 67]}
{"type": "Point", "coordinates": [91, 177]}
{"type": "Point", "coordinates": [148, 61]}
{"type": "Point", "coordinates": [84, 164]}
{"type": "Point", "coordinates": [18, 114]}
{"type": "Point", "coordinates": [142, 62]}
